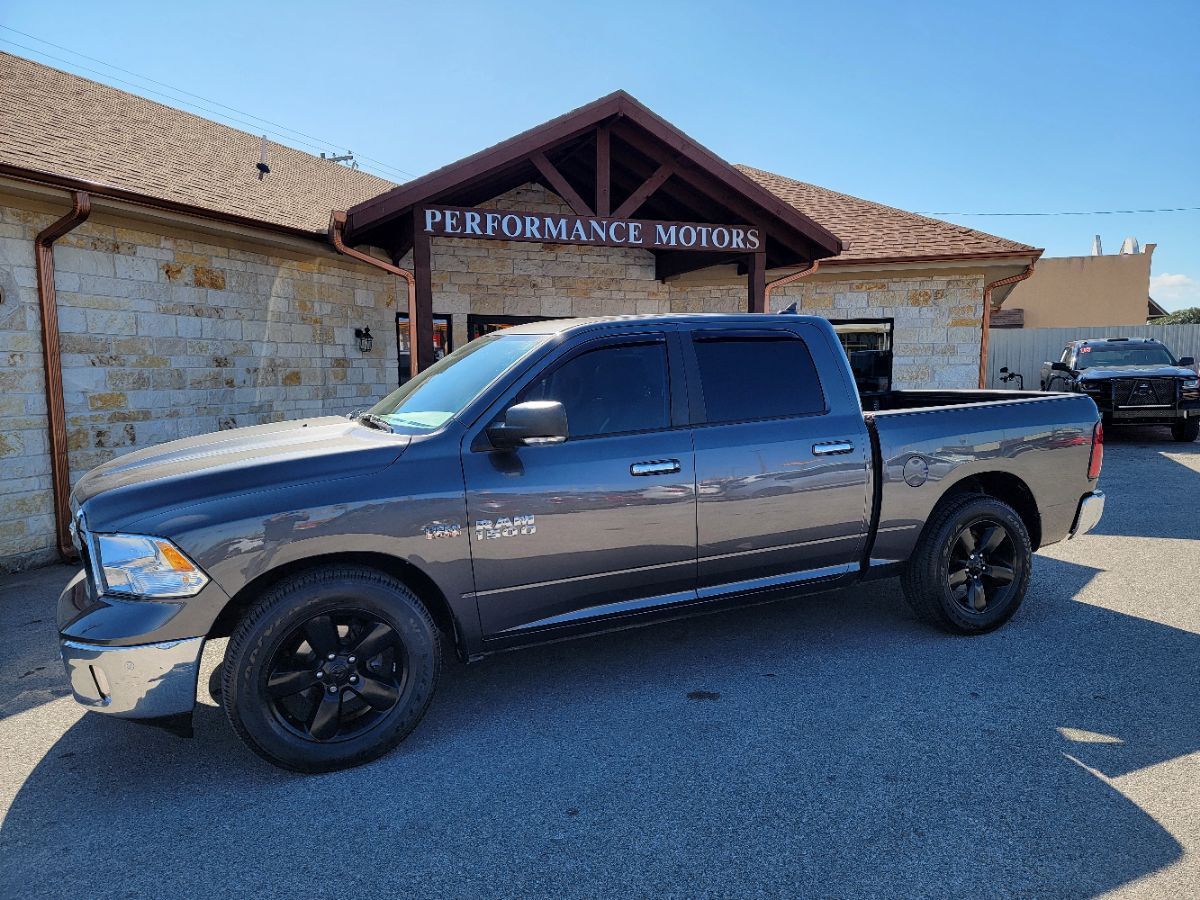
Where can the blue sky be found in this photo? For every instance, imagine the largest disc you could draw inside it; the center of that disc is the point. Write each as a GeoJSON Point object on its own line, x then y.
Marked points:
{"type": "Point", "coordinates": [932, 107]}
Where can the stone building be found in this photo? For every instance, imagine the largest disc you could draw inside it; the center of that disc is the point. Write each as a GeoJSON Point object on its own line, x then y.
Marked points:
{"type": "Point", "coordinates": [192, 295]}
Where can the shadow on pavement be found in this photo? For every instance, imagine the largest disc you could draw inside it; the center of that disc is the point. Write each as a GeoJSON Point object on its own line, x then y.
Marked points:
{"type": "Point", "coordinates": [841, 749]}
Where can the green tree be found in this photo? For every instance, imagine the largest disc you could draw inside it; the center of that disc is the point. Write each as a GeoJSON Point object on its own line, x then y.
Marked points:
{"type": "Point", "coordinates": [1189, 316]}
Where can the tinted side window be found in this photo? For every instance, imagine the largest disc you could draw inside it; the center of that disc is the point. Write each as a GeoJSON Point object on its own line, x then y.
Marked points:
{"type": "Point", "coordinates": [757, 378]}
{"type": "Point", "coordinates": [610, 390]}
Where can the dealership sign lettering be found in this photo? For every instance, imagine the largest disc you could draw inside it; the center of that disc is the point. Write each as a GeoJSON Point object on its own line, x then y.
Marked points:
{"type": "Point", "coordinates": [506, 225]}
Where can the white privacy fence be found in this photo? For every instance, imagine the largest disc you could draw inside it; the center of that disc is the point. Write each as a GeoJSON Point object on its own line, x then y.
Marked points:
{"type": "Point", "coordinates": [1025, 349]}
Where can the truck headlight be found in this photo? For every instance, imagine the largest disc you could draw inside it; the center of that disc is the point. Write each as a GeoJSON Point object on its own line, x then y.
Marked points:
{"type": "Point", "coordinates": [147, 567]}
{"type": "Point", "coordinates": [1191, 384]}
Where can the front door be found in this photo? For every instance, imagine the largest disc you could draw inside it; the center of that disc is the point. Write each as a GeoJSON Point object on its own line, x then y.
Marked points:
{"type": "Point", "coordinates": [602, 524]}
{"type": "Point", "coordinates": [782, 475]}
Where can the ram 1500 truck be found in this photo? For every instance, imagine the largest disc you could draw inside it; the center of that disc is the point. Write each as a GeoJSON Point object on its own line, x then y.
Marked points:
{"type": "Point", "coordinates": [546, 481]}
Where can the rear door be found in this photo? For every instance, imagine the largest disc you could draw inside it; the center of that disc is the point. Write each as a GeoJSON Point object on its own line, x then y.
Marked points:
{"type": "Point", "coordinates": [782, 459]}
{"type": "Point", "coordinates": [604, 523]}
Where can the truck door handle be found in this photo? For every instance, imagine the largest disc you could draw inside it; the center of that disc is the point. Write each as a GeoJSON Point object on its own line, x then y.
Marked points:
{"type": "Point", "coordinates": [827, 448]}
{"type": "Point", "coordinates": [655, 467]}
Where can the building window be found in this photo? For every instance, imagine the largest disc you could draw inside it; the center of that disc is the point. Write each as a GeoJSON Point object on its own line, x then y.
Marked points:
{"type": "Point", "coordinates": [442, 342]}
{"type": "Point", "coordinates": [868, 345]}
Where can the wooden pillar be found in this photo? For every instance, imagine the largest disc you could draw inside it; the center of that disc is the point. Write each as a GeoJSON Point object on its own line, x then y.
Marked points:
{"type": "Point", "coordinates": [756, 282]}
{"type": "Point", "coordinates": [603, 173]}
{"type": "Point", "coordinates": [422, 351]}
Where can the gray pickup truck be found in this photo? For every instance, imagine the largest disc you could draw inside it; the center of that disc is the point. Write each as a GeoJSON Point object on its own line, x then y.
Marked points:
{"type": "Point", "coordinates": [547, 481]}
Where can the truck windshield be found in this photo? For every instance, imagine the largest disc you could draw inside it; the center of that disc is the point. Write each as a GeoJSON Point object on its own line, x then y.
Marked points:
{"type": "Point", "coordinates": [442, 391]}
{"type": "Point", "coordinates": [1098, 357]}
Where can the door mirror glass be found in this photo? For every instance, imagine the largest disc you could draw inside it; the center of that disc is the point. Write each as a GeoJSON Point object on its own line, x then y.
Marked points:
{"type": "Point", "coordinates": [530, 423]}
{"type": "Point", "coordinates": [1060, 367]}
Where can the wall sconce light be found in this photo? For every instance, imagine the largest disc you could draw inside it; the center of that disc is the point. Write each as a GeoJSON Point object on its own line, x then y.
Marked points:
{"type": "Point", "coordinates": [365, 340]}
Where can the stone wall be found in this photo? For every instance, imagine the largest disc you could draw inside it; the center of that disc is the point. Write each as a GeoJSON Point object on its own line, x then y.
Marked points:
{"type": "Point", "coordinates": [167, 333]}
{"type": "Point", "coordinates": [937, 327]}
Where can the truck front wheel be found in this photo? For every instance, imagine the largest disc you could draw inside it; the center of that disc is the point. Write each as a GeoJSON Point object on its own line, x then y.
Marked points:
{"type": "Point", "coordinates": [1187, 430]}
{"type": "Point", "coordinates": [330, 669]}
{"type": "Point", "coordinates": [970, 569]}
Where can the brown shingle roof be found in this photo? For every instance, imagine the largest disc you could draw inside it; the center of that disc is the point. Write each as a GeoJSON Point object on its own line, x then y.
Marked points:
{"type": "Point", "coordinates": [878, 232]}
{"type": "Point", "coordinates": [60, 124]}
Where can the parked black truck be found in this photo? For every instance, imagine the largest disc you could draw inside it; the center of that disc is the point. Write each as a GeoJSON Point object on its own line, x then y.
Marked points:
{"type": "Point", "coordinates": [546, 481]}
{"type": "Point", "coordinates": [1134, 381]}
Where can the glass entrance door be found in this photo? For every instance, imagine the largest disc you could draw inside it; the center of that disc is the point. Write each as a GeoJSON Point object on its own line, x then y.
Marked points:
{"type": "Point", "coordinates": [442, 342]}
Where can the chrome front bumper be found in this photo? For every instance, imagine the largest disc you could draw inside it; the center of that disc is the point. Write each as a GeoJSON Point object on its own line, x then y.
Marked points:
{"type": "Point", "coordinates": [142, 682]}
{"type": "Point", "coordinates": [1091, 508]}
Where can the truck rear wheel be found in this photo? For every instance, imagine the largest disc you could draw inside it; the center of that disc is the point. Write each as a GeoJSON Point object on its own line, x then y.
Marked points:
{"type": "Point", "coordinates": [970, 569]}
{"type": "Point", "coordinates": [1187, 430]}
{"type": "Point", "coordinates": [331, 669]}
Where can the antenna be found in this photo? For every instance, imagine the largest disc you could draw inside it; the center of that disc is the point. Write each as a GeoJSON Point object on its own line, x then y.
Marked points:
{"type": "Point", "coordinates": [262, 166]}
{"type": "Point", "coordinates": [347, 157]}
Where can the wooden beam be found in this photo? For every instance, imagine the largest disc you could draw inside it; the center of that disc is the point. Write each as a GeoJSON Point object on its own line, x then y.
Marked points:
{"type": "Point", "coordinates": [422, 352]}
{"type": "Point", "coordinates": [560, 185]}
{"type": "Point", "coordinates": [756, 282]}
{"type": "Point", "coordinates": [603, 172]}
{"type": "Point", "coordinates": [642, 194]}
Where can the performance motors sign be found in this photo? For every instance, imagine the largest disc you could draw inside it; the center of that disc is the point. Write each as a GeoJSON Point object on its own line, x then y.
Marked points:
{"type": "Point", "coordinates": [508, 225]}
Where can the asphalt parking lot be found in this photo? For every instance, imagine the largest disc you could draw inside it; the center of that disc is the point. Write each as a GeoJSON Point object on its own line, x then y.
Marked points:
{"type": "Point", "coordinates": [843, 750]}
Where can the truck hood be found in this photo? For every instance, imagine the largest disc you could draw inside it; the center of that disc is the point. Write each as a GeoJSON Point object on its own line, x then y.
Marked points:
{"type": "Point", "coordinates": [1136, 372]}
{"type": "Point", "coordinates": [225, 463]}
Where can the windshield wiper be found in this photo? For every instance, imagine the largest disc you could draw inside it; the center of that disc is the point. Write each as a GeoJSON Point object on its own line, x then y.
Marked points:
{"type": "Point", "coordinates": [375, 421]}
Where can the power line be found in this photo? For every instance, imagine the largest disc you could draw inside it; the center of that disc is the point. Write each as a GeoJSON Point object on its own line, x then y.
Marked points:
{"type": "Point", "coordinates": [289, 138]}
{"type": "Point", "coordinates": [1095, 212]}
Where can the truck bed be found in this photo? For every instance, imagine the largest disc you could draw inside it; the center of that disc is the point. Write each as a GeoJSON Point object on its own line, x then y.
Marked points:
{"type": "Point", "coordinates": [1034, 446]}
{"type": "Point", "coordinates": [895, 401]}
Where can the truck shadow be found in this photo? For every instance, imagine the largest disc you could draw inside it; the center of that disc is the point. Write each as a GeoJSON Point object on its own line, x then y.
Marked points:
{"type": "Point", "coordinates": [828, 745]}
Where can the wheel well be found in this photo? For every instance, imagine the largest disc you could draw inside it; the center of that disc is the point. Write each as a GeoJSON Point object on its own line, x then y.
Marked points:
{"type": "Point", "coordinates": [416, 580]}
{"type": "Point", "coordinates": [1009, 488]}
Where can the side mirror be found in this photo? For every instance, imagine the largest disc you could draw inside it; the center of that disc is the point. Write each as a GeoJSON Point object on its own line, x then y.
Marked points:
{"type": "Point", "coordinates": [1004, 370]}
{"type": "Point", "coordinates": [1188, 362]}
{"type": "Point", "coordinates": [1060, 367]}
{"type": "Point", "coordinates": [530, 423]}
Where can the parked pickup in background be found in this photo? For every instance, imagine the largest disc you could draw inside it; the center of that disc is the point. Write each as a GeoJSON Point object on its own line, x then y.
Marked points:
{"type": "Point", "coordinates": [1134, 381]}
{"type": "Point", "coordinates": [549, 480]}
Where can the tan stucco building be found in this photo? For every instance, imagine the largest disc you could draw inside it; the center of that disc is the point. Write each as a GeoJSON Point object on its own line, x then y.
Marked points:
{"type": "Point", "coordinates": [1083, 291]}
{"type": "Point", "coordinates": [192, 296]}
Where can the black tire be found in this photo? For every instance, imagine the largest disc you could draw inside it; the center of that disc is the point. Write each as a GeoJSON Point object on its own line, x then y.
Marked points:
{"type": "Point", "coordinates": [1186, 431]}
{"type": "Point", "coordinates": [299, 721]}
{"type": "Point", "coordinates": [942, 564]}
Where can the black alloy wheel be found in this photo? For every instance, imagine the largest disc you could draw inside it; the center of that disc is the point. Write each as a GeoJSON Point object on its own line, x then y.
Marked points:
{"type": "Point", "coordinates": [337, 675]}
{"type": "Point", "coordinates": [332, 668]}
{"type": "Point", "coordinates": [980, 572]}
{"type": "Point", "coordinates": [970, 568]}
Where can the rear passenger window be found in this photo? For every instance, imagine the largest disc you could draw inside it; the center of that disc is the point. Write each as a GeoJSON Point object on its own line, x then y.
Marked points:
{"type": "Point", "coordinates": [746, 378]}
{"type": "Point", "coordinates": [611, 390]}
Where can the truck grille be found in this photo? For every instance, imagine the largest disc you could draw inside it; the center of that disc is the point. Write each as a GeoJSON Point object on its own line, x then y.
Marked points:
{"type": "Point", "coordinates": [1144, 391]}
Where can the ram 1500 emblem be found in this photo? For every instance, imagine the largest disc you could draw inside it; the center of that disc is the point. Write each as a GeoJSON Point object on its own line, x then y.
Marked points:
{"type": "Point", "coordinates": [437, 530]}
{"type": "Point", "coordinates": [487, 529]}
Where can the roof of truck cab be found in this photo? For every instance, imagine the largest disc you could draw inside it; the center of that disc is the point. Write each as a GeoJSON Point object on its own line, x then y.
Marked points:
{"type": "Point", "coordinates": [560, 326]}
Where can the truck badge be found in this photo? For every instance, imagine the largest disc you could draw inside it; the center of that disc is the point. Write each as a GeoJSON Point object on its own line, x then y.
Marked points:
{"type": "Point", "coordinates": [437, 530]}
{"type": "Point", "coordinates": [487, 530]}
